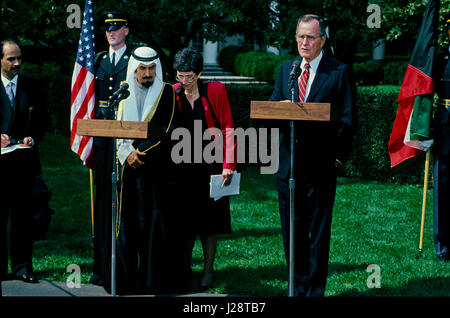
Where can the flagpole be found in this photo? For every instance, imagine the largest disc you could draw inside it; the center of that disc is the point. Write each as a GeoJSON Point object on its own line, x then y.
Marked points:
{"type": "Point", "coordinates": [424, 201]}
{"type": "Point", "coordinates": [92, 200]}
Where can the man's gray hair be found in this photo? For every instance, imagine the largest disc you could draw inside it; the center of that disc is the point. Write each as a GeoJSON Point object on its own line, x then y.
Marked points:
{"type": "Point", "coordinates": [308, 18]}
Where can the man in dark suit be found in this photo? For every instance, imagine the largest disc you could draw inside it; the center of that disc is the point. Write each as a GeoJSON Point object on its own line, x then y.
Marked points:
{"type": "Point", "coordinates": [320, 147]}
{"type": "Point", "coordinates": [110, 71]}
{"type": "Point", "coordinates": [23, 120]}
{"type": "Point", "coordinates": [441, 156]}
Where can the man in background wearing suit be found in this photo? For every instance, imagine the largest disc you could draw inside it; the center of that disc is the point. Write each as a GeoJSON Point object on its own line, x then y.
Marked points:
{"type": "Point", "coordinates": [23, 120]}
{"type": "Point", "coordinates": [320, 147]}
{"type": "Point", "coordinates": [110, 71]}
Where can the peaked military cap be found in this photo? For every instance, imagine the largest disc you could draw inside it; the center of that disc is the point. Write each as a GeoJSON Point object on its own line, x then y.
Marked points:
{"type": "Point", "coordinates": [115, 20]}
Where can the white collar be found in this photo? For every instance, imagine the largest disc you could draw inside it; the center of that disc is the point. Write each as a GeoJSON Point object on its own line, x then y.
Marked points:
{"type": "Point", "coordinates": [119, 53]}
{"type": "Point", "coordinates": [7, 81]}
{"type": "Point", "coordinates": [314, 64]}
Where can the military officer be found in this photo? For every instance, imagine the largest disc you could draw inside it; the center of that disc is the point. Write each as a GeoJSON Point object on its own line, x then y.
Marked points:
{"type": "Point", "coordinates": [441, 156]}
{"type": "Point", "coordinates": [110, 71]}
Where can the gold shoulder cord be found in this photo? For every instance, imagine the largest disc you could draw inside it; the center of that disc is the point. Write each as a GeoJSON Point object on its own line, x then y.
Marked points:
{"type": "Point", "coordinates": [150, 116]}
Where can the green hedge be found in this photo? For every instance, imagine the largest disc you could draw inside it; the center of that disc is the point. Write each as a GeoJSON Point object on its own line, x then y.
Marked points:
{"type": "Point", "coordinates": [379, 72]}
{"type": "Point", "coordinates": [369, 158]}
{"type": "Point", "coordinates": [228, 55]}
{"type": "Point", "coordinates": [264, 66]}
{"type": "Point", "coordinates": [261, 65]}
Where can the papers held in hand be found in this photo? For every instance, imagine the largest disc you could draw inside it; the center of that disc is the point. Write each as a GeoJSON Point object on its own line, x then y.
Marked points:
{"type": "Point", "coordinates": [14, 147]}
{"type": "Point", "coordinates": [219, 190]}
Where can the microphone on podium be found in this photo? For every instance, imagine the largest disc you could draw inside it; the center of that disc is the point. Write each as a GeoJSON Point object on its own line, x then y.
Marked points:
{"type": "Point", "coordinates": [122, 89]}
{"type": "Point", "coordinates": [294, 74]}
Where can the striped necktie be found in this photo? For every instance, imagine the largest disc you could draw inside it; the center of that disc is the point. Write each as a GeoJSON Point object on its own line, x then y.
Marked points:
{"type": "Point", "coordinates": [302, 84]}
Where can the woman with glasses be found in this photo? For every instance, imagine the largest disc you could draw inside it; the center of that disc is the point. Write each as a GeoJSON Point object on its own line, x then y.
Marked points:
{"type": "Point", "coordinates": [205, 104]}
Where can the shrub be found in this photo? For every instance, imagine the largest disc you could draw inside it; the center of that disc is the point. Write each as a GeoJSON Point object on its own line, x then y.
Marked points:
{"type": "Point", "coordinates": [394, 72]}
{"type": "Point", "coordinates": [380, 72]}
{"type": "Point", "coordinates": [228, 55]}
{"type": "Point", "coordinates": [261, 65]}
{"type": "Point", "coordinates": [368, 73]}
{"type": "Point", "coordinates": [369, 158]}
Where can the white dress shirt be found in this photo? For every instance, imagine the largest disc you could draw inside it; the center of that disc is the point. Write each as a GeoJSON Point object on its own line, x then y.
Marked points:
{"type": "Point", "coordinates": [119, 53]}
{"type": "Point", "coordinates": [313, 65]}
{"type": "Point", "coordinates": [6, 82]}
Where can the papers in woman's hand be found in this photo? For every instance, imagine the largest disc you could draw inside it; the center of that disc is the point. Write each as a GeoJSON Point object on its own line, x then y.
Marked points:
{"type": "Point", "coordinates": [219, 190]}
{"type": "Point", "coordinates": [14, 147]}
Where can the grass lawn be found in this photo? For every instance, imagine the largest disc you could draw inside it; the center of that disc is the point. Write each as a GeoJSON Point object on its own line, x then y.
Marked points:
{"type": "Point", "coordinates": [373, 223]}
{"type": "Point", "coordinates": [386, 88]}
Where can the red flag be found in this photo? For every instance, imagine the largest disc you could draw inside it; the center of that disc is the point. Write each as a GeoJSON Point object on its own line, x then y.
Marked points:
{"type": "Point", "coordinates": [83, 89]}
{"type": "Point", "coordinates": [414, 104]}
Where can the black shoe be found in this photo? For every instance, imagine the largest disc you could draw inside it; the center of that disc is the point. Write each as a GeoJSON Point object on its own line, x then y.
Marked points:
{"type": "Point", "coordinates": [27, 278]}
{"type": "Point", "coordinates": [444, 257]}
{"type": "Point", "coordinates": [96, 280]}
{"type": "Point", "coordinates": [206, 284]}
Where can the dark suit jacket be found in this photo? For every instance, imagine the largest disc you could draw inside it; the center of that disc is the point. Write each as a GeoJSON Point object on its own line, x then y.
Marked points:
{"type": "Point", "coordinates": [29, 118]}
{"type": "Point", "coordinates": [318, 144]}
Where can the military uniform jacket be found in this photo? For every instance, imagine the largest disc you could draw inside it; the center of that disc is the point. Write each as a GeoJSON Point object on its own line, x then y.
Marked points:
{"type": "Point", "coordinates": [107, 80]}
{"type": "Point", "coordinates": [443, 87]}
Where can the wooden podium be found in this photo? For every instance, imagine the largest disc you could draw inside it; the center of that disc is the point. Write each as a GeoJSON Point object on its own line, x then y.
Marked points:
{"type": "Point", "coordinates": [290, 111]}
{"type": "Point", "coordinates": [113, 129]}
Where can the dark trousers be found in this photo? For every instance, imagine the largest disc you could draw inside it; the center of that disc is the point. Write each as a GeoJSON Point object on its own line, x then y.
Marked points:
{"type": "Point", "coordinates": [16, 188]}
{"type": "Point", "coordinates": [102, 211]}
{"type": "Point", "coordinates": [314, 199]}
{"type": "Point", "coordinates": [441, 158]}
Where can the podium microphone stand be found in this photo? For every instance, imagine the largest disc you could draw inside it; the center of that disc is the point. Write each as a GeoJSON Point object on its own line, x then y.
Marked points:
{"type": "Point", "coordinates": [291, 205]}
{"type": "Point", "coordinates": [113, 105]}
{"type": "Point", "coordinates": [290, 111]}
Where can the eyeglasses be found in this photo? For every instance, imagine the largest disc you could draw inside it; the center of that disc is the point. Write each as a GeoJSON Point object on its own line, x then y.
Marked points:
{"type": "Point", "coordinates": [189, 78]}
{"type": "Point", "coordinates": [302, 38]}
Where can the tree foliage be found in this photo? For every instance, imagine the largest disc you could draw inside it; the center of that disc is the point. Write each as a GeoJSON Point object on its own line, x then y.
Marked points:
{"type": "Point", "coordinates": [401, 19]}
{"type": "Point", "coordinates": [167, 25]}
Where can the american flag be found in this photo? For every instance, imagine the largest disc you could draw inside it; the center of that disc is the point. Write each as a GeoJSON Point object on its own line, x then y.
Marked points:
{"type": "Point", "coordinates": [83, 90]}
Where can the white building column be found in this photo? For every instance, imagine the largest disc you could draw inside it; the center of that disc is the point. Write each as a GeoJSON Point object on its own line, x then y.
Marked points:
{"type": "Point", "coordinates": [210, 52]}
{"type": "Point", "coordinates": [378, 49]}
